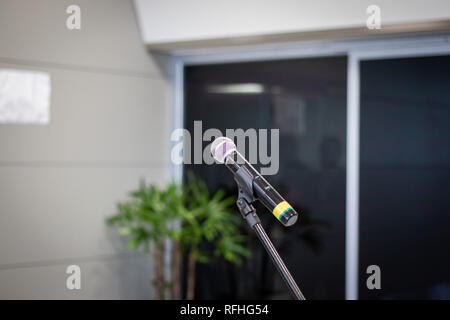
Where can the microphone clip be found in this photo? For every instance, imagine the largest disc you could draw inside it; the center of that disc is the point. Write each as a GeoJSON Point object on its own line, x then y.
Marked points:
{"type": "Point", "coordinates": [244, 180]}
{"type": "Point", "coordinates": [247, 210]}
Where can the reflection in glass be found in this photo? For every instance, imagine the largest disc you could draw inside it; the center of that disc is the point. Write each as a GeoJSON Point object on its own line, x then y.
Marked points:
{"type": "Point", "coordinates": [306, 100]}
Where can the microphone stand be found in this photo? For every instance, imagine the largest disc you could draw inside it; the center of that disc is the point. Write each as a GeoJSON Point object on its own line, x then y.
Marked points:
{"type": "Point", "coordinates": [248, 212]}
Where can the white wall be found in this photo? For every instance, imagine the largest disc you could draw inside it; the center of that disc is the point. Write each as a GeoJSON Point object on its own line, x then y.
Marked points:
{"type": "Point", "coordinates": [177, 20]}
{"type": "Point", "coordinates": [109, 127]}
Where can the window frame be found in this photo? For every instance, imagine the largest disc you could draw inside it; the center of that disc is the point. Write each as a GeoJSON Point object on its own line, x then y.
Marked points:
{"type": "Point", "coordinates": [356, 51]}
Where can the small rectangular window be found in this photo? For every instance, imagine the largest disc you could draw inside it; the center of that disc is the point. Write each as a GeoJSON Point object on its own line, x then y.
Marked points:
{"type": "Point", "coordinates": [24, 97]}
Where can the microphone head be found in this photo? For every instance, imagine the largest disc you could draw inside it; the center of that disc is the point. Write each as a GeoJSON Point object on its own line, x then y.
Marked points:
{"type": "Point", "coordinates": [221, 148]}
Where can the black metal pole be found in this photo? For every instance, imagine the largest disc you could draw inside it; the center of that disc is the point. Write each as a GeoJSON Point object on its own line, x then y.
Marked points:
{"type": "Point", "coordinates": [276, 259]}
{"type": "Point", "coordinates": [249, 214]}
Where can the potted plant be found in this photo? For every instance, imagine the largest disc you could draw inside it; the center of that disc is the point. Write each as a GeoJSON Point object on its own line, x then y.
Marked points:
{"type": "Point", "coordinates": [191, 217]}
{"type": "Point", "coordinates": [207, 219]}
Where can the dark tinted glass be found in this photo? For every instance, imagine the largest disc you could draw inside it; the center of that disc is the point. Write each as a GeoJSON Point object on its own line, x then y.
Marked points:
{"type": "Point", "coordinates": [405, 177]}
{"type": "Point", "coordinates": [306, 100]}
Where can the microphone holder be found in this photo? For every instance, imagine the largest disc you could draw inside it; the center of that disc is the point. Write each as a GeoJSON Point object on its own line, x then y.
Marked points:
{"type": "Point", "coordinates": [244, 202]}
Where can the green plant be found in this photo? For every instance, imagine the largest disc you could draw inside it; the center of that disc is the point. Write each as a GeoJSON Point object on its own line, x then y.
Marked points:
{"type": "Point", "coordinates": [144, 219]}
{"type": "Point", "coordinates": [207, 219]}
{"type": "Point", "coordinates": [192, 217]}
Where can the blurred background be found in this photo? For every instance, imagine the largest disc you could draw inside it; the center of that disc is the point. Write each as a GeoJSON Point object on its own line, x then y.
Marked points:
{"type": "Point", "coordinates": [91, 91]}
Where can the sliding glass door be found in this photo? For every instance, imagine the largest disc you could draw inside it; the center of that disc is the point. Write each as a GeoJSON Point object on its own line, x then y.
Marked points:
{"type": "Point", "coordinates": [405, 176]}
{"type": "Point", "coordinates": [306, 100]}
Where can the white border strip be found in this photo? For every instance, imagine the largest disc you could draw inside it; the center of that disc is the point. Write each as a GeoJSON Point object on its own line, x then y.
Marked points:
{"type": "Point", "coordinates": [352, 185]}
{"type": "Point", "coordinates": [313, 49]}
{"type": "Point", "coordinates": [404, 52]}
{"type": "Point", "coordinates": [177, 112]}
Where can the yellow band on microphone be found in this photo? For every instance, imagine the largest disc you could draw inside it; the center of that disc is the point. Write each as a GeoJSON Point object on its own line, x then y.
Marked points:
{"type": "Point", "coordinates": [281, 208]}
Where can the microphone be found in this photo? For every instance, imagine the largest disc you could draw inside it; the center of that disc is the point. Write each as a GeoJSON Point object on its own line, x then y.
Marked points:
{"type": "Point", "coordinates": [224, 151]}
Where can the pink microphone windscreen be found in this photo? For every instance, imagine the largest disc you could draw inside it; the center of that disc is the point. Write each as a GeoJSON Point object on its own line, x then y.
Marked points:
{"type": "Point", "coordinates": [221, 147]}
